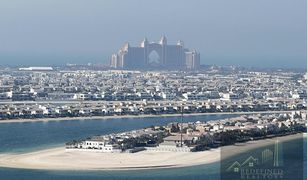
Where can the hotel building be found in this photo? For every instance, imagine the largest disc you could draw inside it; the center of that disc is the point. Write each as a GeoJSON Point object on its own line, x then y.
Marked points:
{"type": "Point", "coordinates": [152, 55]}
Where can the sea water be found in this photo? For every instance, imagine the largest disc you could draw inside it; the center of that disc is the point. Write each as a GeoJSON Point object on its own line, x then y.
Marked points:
{"type": "Point", "coordinates": [29, 136]}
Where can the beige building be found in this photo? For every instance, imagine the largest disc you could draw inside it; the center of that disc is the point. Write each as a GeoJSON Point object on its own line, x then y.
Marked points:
{"type": "Point", "coordinates": [152, 55]}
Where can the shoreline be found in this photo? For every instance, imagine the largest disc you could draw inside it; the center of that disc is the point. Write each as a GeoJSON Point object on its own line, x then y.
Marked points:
{"type": "Point", "coordinates": [140, 116]}
{"type": "Point", "coordinates": [60, 160]}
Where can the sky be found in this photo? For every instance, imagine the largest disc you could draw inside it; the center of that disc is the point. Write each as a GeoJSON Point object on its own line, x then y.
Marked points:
{"type": "Point", "coordinates": [252, 33]}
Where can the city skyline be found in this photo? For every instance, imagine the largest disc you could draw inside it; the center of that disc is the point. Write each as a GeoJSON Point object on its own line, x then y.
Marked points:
{"type": "Point", "coordinates": [261, 34]}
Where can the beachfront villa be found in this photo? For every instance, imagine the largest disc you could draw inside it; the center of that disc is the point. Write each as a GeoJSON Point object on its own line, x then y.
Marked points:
{"type": "Point", "coordinates": [97, 146]}
{"type": "Point", "coordinates": [176, 144]}
{"type": "Point", "coordinates": [152, 139]}
{"type": "Point", "coordinates": [195, 136]}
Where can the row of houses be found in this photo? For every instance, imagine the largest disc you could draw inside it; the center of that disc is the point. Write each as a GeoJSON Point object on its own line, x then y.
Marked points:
{"type": "Point", "coordinates": [9, 111]}
{"type": "Point", "coordinates": [194, 136]}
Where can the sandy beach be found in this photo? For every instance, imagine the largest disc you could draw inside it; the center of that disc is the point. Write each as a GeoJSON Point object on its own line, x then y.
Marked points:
{"type": "Point", "coordinates": [136, 116]}
{"type": "Point", "coordinates": [59, 159]}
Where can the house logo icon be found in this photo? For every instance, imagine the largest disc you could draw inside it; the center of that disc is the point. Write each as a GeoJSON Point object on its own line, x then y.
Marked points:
{"type": "Point", "coordinates": [268, 157]}
{"type": "Point", "coordinates": [249, 162]}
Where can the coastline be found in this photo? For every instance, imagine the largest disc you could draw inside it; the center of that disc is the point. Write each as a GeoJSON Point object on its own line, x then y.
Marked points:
{"type": "Point", "coordinates": [59, 159]}
{"type": "Point", "coordinates": [140, 116]}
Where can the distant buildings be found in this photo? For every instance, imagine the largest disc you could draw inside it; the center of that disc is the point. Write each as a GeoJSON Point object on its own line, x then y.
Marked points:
{"type": "Point", "coordinates": [36, 69]}
{"type": "Point", "coordinates": [152, 55]}
{"type": "Point", "coordinates": [45, 94]}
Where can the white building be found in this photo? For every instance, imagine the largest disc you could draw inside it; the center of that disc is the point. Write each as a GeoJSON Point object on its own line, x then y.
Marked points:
{"type": "Point", "coordinates": [36, 69]}
{"type": "Point", "coordinates": [98, 146]}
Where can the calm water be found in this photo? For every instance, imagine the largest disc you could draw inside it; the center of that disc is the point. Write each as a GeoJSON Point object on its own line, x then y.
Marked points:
{"type": "Point", "coordinates": [24, 137]}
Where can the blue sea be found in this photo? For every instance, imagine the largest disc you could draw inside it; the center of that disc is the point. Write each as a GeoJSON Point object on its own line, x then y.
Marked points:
{"type": "Point", "coordinates": [29, 136]}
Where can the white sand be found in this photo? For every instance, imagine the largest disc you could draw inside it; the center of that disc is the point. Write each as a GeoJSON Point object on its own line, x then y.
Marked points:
{"type": "Point", "coordinates": [59, 159]}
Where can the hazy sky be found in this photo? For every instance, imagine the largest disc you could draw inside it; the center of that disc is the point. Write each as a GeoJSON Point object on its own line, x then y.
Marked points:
{"type": "Point", "coordinates": [239, 32]}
